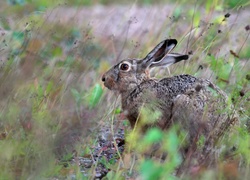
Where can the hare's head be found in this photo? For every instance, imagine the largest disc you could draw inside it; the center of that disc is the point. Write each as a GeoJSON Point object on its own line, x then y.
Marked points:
{"type": "Point", "coordinates": [129, 73]}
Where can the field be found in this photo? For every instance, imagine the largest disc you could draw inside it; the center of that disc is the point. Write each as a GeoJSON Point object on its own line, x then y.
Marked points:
{"type": "Point", "coordinates": [58, 121]}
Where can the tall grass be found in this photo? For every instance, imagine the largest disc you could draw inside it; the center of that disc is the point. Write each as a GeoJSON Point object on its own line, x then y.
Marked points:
{"type": "Point", "coordinates": [52, 101]}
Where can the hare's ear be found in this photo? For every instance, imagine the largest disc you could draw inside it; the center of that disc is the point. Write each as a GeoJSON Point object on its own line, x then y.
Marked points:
{"type": "Point", "coordinates": [169, 59]}
{"type": "Point", "coordinates": [161, 56]}
{"type": "Point", "coordinates": [159, 52]}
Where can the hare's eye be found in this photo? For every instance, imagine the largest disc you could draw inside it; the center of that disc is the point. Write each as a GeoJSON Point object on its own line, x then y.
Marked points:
{"type": "Point", "coordinates": [124, 67]}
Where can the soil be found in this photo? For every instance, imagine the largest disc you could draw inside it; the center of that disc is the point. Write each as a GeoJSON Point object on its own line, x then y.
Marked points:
{"type": "Point", "coordinates": [104, 151]}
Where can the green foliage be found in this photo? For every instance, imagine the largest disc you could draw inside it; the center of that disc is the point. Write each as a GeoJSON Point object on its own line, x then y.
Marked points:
{"type": "Point", "coordinates": [236, 3]}
{"type": "Point", "coordinates": [118, 111]}
{"type": "Point", "coordinates": [201, 142]}
{"type": "Point", "coordinates": [195, 15]}
{"type": "Point", "coordinates": [221, 68]}
{"type": "Point", "coordinates": [19, 36]}
{"type": "Point", "coordinates": [151, 170]}
{"type": "Point", "coordinates": [177, 12]}
{"type": "Point", "coordinates": [154, 135]}
{"type": "Point", "coordinates": [57, 51]}
{"type": "Point", "coordinates": [149, 114]}
{"type": "Point", "coordinates": [37, 100]}
{"type": "Point", "coordinates": [170, 143]}
{"type": "Point", "coordinates": [95, 95]}
{"type": "Point", "coordinates": [41, 4]}
{"type": "Point", "coordinates": [91, 99]}
{"type": "Point", "coordinates": [243, 145]}
{"type": "Point", "coordinates": [49, 88]}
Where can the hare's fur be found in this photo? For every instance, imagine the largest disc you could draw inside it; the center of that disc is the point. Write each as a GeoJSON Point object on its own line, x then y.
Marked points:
{"type": "Point", "coordinates": [197, 104]}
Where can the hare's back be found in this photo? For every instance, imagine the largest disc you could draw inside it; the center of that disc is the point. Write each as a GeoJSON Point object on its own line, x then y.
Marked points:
{"type": "Point", "coordinates": [163, 91]}
{"type": "Point", "coordinates": [178, 84]}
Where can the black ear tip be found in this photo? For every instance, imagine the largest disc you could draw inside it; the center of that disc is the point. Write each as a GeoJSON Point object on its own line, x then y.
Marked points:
{"type": "Point", "coordinates": [171, 41]}
{"type": "Point", "coordinates": [185, 57]}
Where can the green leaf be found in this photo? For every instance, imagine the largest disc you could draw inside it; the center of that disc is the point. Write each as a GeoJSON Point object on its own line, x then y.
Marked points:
{"type": "Point", "coordinates": [150, 170]}
{"type": "Point", "coordinates": [177, 13]}
{"type": "Point", "coordinates": [118, 111]}
{"type": "Point", "coordinates": [18, 36]}
{"type": "Point", "coordinates": [153, 135]}
{"type": "Point", "coordinates": [57, 51]}
{"type": "Point", "coordinates": [95, 95]}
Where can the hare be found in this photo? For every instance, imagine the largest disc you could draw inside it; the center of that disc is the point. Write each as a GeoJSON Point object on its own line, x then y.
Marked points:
{"type": "Point", "coordinates": [197, 104]}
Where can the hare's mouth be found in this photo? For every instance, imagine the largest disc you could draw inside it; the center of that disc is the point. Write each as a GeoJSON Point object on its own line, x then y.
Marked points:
{"type": "Point", "coordinates": [109, 84]}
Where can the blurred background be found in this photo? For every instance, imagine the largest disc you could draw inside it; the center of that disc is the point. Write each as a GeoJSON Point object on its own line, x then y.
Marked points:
{"type": "Point", "coordinates": [53, 54]}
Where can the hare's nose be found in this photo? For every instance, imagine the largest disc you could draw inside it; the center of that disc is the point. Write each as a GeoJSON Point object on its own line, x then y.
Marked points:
{"type": "Point", "coordinates": [103, 78]}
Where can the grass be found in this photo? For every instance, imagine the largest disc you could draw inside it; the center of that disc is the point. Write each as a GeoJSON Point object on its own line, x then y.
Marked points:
{"type": "Point", "coordinates": [53, 102]}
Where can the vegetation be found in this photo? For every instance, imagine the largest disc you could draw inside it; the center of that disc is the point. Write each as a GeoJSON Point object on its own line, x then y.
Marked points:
{"type": "Point", "coordinates": [53, 102]}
